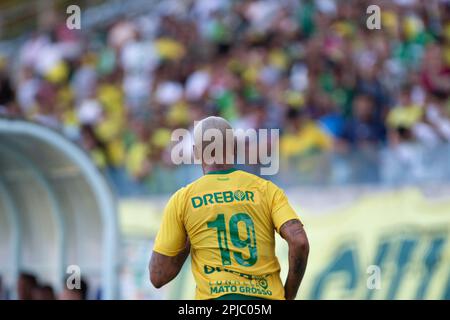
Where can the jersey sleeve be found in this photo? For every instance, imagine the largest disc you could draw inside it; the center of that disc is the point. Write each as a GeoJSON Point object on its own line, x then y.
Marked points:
{"type": "Point", "coordinates": [281, 210]}
{"type": "Point", "coordinates": [171, 237]}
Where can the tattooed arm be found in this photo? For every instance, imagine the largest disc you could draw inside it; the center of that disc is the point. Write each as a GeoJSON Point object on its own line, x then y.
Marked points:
{"type": "Point", "coordinates": [164, 268]}
{"type": "Point", "coordinates": [292, 231]}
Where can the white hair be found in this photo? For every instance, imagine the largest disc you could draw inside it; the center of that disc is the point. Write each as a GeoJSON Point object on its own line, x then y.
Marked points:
{"type": "Point", "coordinates": [221, 130]}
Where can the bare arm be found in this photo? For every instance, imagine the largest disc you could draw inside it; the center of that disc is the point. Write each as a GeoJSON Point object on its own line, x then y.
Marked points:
{"type": "Point", "coordinates": [165, 268]}
{"type": "Point", "coordinates": [292, 231]}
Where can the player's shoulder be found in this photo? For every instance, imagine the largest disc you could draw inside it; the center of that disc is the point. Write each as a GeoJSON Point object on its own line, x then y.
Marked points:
{"type": "Point", "coordinates": [262, 183]}
{"type": "Point", "coordinates": [186, 190]}
{"type": "Point", "coordinates": [251, 177]}
{"type": "Point", "coordinates": [180, 193]}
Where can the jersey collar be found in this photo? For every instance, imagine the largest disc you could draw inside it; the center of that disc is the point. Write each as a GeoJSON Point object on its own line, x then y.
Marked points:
{"type": "Point", "coordinates": [223, 171]}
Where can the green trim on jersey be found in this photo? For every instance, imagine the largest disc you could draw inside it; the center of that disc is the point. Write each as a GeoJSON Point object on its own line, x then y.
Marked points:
{"type": "Point", "coordinates": [223, 171]}
{"type": "Point", "coordinates": [234, 296]}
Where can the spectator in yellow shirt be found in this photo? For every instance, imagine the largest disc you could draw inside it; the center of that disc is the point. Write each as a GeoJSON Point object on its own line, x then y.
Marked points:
{"type": "Point", "coordinates": [406, 114]}
{"type": "Point", "coordinates": [302, 135]}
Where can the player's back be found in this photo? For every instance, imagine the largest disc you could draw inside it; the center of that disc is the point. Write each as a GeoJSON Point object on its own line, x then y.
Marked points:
{"type": "Point", "coordinates": [230, 218]}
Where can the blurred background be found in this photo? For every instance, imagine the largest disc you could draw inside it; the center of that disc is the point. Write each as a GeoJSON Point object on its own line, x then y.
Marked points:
{"type": "Point", "coordinates": [364, 119]}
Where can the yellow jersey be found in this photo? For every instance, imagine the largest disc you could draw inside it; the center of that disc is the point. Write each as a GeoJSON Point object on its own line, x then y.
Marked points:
{"type": "Point", "coordinates": [230, 217]}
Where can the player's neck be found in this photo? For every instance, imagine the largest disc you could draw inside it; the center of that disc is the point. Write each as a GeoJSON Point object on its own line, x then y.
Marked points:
{"type": "Point", "coordinates": [216, 167]}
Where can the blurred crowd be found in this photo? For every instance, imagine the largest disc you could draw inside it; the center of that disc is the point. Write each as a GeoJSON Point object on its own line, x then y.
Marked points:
{"type": "Point", "coordinates": [30, 288]}
{"type": "Point", "coordinates": [310, 68]}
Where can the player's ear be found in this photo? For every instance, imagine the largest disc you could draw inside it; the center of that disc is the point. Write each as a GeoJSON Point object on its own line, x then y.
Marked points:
{"type": "Point", "coordinates": [197, 152]}
{"type": "Point", "coordinates": [235, 149]}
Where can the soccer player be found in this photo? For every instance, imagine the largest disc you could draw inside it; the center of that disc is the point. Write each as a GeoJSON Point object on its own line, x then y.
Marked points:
{"type": "Point", "coordinates": [227, 220]}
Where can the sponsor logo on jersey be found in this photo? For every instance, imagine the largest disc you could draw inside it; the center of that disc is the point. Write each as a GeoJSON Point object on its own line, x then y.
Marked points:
{"type": "Point", "coordinates": [251, 285]}
{"type": "Point", "coordinates": [222, 197]}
